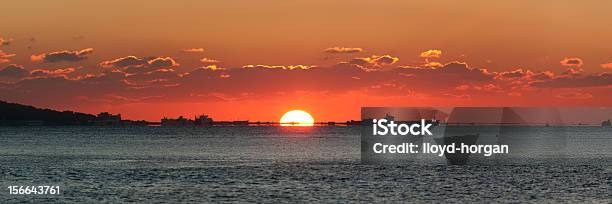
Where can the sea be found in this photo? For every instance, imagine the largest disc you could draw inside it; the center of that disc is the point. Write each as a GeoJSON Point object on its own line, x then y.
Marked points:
{"type": "Point", "coordinates": [269, 164]}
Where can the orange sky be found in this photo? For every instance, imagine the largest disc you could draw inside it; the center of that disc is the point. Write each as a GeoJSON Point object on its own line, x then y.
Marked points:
{"type": "Point", "coordinates": [353, 54]}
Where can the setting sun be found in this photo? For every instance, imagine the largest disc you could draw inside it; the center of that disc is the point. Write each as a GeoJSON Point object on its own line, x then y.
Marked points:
{"type": "Point", "coordinates": [297, 118]}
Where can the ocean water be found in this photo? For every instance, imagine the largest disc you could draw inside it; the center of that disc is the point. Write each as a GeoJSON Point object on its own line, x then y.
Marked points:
{"type": "Point", "coordinates": [285, 164]}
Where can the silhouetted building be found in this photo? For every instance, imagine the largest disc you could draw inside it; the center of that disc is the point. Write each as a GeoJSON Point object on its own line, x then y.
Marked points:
{"type": "Point", "coordinates": [606, 123]}
{"type": "Point", "coordinates": [203, 120]}
{"type": "Point", "coordinates": [353, 122]}
{"type": "Point", "coordinates": [106, 118]}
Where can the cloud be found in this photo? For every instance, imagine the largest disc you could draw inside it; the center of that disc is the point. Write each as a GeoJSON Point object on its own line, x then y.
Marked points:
{"type": "Point", "coordinates": [4, 57]}
{"type": "Point", "coordinates": [337, 50]}
{"type": "Point", "coordinates": [154, 79]}
{"type": "Point", "coordinates": [51, 73]}
{"type": "Point", "coordinates": [571, 62]}
{"type": "Point", "coordinates": [133, 64]}
{"type": "Point", "coordinates": [525, 74]}
{"type": "Point", "coordinates": [13, 71]}
{"type": "Point", "coordinates": [459, 96]}
{"type": "Point", "coordinates": [575, 95]}
{"type": "Point", "coordinates": [69, 56]}
{"type": "Point", "coordinates": [488, 87]}
{"type": "Point", "coordinates": [159, 77]}
{"type": "Point", "coordinates": [209, 61]}
{"type": "Point", "coordinates": [463, 87]}
{"type": "Point", "coordinates": [576, 81]}
{"type": "Point", "coordinates": [5, 41]}
{"type": "Point", "coordinates": [433, 65]}
{"type": "Point", "coordinates": [16, 72]}
{"type": "Point", "coordinates": [288, 67]}
{"type": "Point", "coordinates": [124, 62]}
{"type": "Point", "coordinates": [607, 66]}
{"type": "Point", "coordinates": [528, 79]}
{"type": "Point", "coordinates": [448, 77]}
{"type": "Point", "coordinates": [384, 60]}
{"type": "Point", "coordinates": [431, 54]}
{"type": "Point", "coordinates": [211, 67]}
{"type": "Point", "coordinates": [193, 50]}
{"type": "Point", "coordinates": [543, 75]}
{"type": "Point", "coordinates": [374, 61]}
{"type": "Point", "coordinates": [517, 73]}
{"type": "Point", "coordinates": [162, 62]}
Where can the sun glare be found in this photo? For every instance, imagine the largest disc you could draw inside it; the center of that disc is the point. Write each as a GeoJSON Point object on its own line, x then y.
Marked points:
{"type": "Point", "coordinates": [297, 118]}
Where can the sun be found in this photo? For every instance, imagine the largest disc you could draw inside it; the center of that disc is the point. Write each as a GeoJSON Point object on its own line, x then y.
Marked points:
{"type": "Point", "coordinates": [297, 118]}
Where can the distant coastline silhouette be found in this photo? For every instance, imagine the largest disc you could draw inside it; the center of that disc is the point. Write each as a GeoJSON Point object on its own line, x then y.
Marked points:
{"type": "Point", "coordinates": [14, 114]}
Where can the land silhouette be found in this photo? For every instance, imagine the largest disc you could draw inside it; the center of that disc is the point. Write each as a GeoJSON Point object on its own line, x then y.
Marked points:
{"type": "Point", "coordinates": [14, 114]}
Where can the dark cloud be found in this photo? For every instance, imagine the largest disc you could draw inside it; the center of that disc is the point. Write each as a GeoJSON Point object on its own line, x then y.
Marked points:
{"type": "Point", "coordinates": [193, 50]}
{"type": "Point", "coordinates": [544, 75]}
{"type": "Point", "coordinates": [359, 61]}
{"type": "Point", "coordinates": [105, 78]}
{"type": "Point", "coordinates": [124, 62]}
{"type": "Point", "coordinates": [162, 62]}
{"type": "Point", "coordinates": [571, 62]}
{"type": "Point", "coordinates": [337, 50]}
{"type": "Point", "coordinates": [447, 77]}
{"type": "Point", "coordinates": [51, 73]}
{"type": "Point", "coordinates": [576, 81]}
{"type": "Point", "coordinates": [69, 56]}
{"type": "Point", "coordinates": [133, 64]}
{"type": "Point", "coordinates": [525, 74]}
{"type": "Point", "coordinates": [137, 80]}
{"type": "Point", "coordinates": [374, 61]}
{"type": "Point", "coordinates": [386, 59]}
{"type": "Point", "coordinates": [13, 71]}
{"type": "Point", "coordinates": [289, 67]}
{"type": "Point", "coordinates": [63, 91]}
{"type": "Point", "coordinates": [517, 73]}
{"type": "Point", "coordinates": [253, 81]}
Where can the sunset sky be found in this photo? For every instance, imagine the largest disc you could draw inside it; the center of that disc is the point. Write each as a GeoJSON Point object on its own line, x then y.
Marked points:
{"type": "Point", "coordinates": [255, 60]}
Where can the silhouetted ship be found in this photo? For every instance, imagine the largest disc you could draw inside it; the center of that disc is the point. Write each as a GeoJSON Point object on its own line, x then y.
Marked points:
{"type": "Point", "coordinates": [201, 120]}
{"type": "Point", "coordinates": [606, 123]}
